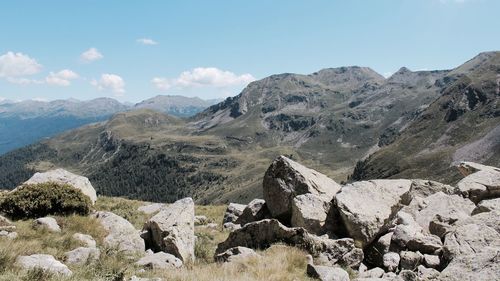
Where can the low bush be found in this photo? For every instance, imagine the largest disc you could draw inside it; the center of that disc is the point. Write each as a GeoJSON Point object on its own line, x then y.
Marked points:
{"type": "Point", "coordinates": [39, 200]}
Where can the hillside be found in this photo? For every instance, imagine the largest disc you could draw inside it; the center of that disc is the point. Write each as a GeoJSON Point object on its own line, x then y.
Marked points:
{"type": "Point", "coordinates": [463, 124]}
{"type": "Point", "coordinates": [179, 106]}
{"type": "Point", "coordinates": [329, 120]}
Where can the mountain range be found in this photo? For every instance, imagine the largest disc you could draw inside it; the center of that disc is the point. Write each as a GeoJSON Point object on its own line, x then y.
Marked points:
{"type": "Point", "coordinates": [335, 120]}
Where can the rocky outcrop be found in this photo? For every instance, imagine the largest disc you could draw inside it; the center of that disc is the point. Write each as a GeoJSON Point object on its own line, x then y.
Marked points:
{"type": "Point", "coordinates": [367, 208]}
{"type": "Point", "coordinates": [159, 260]}
{"type": "Point", "coordinates": [255, 210]}
{"type": "Point", "coordinates": [64, 177]}
{"type": "Point", "coordinates": [236, 253]}
{"type": "Point", "coordinates": [47, 223]}
{"type": "Point", "coordinates": [480, 182]}
{"type": "Point", "coordinates": [233, 212]}
{"type": "Point", "coordinates": [82, 255]}
{"type": "Point", "coordinates": [172, 230]}
{"type": "Point", "coordinates": [285, 179]}
{"type": "Point", "coordinates": [45, 262]}
{"type": "Point", "coordinates": [121, 234]}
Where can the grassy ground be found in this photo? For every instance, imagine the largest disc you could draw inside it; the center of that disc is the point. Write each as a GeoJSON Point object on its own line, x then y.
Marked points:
{"type": "Point", "coordinates": [277, 263]}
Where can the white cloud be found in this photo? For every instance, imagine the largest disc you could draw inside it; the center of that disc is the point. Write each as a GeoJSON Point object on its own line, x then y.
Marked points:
{"type": "Point", "coordinates": [61, 78]}
{"type": "Point", "coordinates": [18, 64]}
{"type": "Point", "coordinates": [147, 41]}
{"type": "Point", "coordinates": [23, 81]}
{"type": "Point", "coordinates": [91, 55]}
{"type": "Point", "coordinates": [203, 77]}
{"type": "Point", "coordinates": [110, 82]}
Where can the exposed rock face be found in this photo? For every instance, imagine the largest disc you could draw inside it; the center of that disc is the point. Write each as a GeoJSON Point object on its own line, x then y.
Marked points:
{"type": "Point", "coordinates": [82, 255]}
{"type": "Point", "coordinates": [159, 260]}
{"type": "Point", "coordinates": [481, 182]}
{"type": "Point", "coordinates": [236, 253]}
{"type": "Point", "coordinates": [254, 211]}
{"type": "Point", "coordinates": [264, 233]}
{"type": "Point", "coordinates": [87, 240]}
{"type": "Point", "coordinates": [45, 262]}
{"type": "Point", "coordinates": [367, 208]}
{"type": "Point", "coordinates": [172, 230]}
{"type": "Point", "coordinates": [233, 212]}
{"type": "Point", "coordinates": [121, 233]}
{"type": "Point", "coordinates": [48, 223]}
{"type": "Point", "coordinates": [64, 177]}
{"type": "Point", "coordinates": [285, 179]}
{"type": "Point", "coordinates": [487, 206]}
{"type": "Point", "coordinates": [310, 212]}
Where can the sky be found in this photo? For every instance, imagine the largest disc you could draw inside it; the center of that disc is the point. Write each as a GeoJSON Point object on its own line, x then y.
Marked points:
{"type": "Point", "coordinates": [133, 50]}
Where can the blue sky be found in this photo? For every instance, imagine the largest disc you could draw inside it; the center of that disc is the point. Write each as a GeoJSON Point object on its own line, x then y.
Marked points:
{"type": "Point", "coordinates": [132, 50]}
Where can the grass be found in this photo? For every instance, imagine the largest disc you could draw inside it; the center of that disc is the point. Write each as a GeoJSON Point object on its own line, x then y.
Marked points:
{"type": "Point", "coordinates": [276, 263]}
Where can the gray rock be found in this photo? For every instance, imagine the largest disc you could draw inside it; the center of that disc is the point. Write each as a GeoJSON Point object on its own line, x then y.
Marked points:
{"type": "Point", "coordinates": [376, 272]}
{"type": "Point", "coordinates": [82, 255]}
{"type": "Point", "coordinates": [367, 208]}
{"type": "Point", "coordinates": [424, 273]}
{"type": "Point", "coordinates": [159, 260]}
{"type": "Point", "coordinates": [441, 225]}
{"type": "Point", "coordinates": [491, 219]}
{"type": "Point", "coordinates": [481, 182]}
{"type": "Point", "coordinates": [236, 253]}
{"type": "Point", "coordinates": [404, 233]}
{"type": "Point", "coordinates": [470, 239]}
{"type": "Point", "coordinates": [48, 223]}
{"type": "Point", "coordinates": [256, 210]}
{"type": "Point", "coordinates": [231, 226]}
{"type": "Point", "coordinates": [410, 260]}
{"type": "Point", "coordinates": [45, 262]}
{"type": "Point", "coordinates": [8, 234]}
{"type": "Point", "coordinates": [327, 273]}
{"type": "Point", "coordinates": [484, 265]}
{"type": "Point", "coordinates": [425, 188]}
{"type": "Point", "coordinates": [64, 177]}
{"type": "Point", "coordinates": [310, 212]}
{"type": "Point", "coordinates": [487, 206]}
{"type": "Point", "coordinates": [376, 251]}
{"type": "Point", "coordinates": [285, 179]}
{"type": "Point", "coordinates": [432, 261]}
{"type": "Point", "coordinates": [262, 234]}
{"type": "Point", "coordinates": [407, 275]}
{"type": "Point", "coordinates": [233, 212]}
{"type": "Point", "coordinates": [121, 234]}
{"type": "Point", "coordinates": [87, 240]}
{"type": "Point", "coordinates": [391, 261]}
{"type": "Point", "coordinates": [151, 208]}
{"type": "Point", "coordinates": [172, 230]}
{"type": "Point", "coordinates": [425, 243]}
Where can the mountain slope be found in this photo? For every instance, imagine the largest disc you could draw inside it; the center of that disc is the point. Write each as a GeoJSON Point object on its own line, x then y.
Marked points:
{"type": "Point", "coordinates": [463, 124]}
{"type": "Point", "coordinates": [176, 105]}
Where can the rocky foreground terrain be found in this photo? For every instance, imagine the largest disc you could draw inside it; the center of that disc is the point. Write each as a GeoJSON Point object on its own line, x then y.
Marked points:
{"type": "Point", "coordinates": [306, 227]}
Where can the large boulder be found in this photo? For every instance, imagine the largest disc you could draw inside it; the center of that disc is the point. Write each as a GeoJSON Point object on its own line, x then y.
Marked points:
{"type": "Point", "coordinates": [285, 179]}
{"type": "Point", "coordinates": [121, 233]}
{"type": "Point", "coordinates": [45, 262]}
{"type": "Point", "coordinates": [82, 255]}
{"type": "Point", "coordinates": [310, 211]}
{"type": "Point", "coordinates": [48, 223]}
{"type": "Point", "coordinates": [233, 212]}
{"type": "Point", "coordinates": [236, 253]}
{"type": "Point", "coordinates": [480, 182]}
{"type": "Point", "coordinates": [470, 239]}
{"type": "Point", "coordinates": [484, 265]}
{"type": "Point", "coordinates": [264, 233]}
{"type": "Point", "coordinates": [172, 230]}
{"type": "Point", "coordinates": [255, 210]}
{"type": "Point", "coordinates": [367, 208]}
{"type": "Point", "coordinates": [64, 177]}
{"type": "Point", "coordinates": [159, 260]}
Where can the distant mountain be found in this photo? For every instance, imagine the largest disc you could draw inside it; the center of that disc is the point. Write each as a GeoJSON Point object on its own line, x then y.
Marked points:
{"type": "Point", "coordinates": [328, 120]}
{"type": "Point", "coordinates": [179, 106]}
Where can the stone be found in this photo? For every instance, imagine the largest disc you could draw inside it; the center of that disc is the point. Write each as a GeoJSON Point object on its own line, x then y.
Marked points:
{"type": "Point", "coordinates": [159, 260]}
{"type": "Point", "coordinates": [491, 219]}
{"type": "Point", "coordinates": [48, 223]}
{"type": "Point", "coordinates": [231, 226]}
{"type": "Point", "coordinates": [367, 208]}
{"type": "Point", "coordinates": [327, 273]}
{"type": "Point", "coordinates": [410, 260]}
{"type": "Point", "coordinates": [441, 225]}
{"type": "Point", "coordinates": [470, 239]}
{"type": "Point", "coordinates": [425, 243]}
{"type": "Point", "coordinates": [391, 261]}
{"type": "Point", "coordinates": [85, 239]}
{"type": "Point", "coordinates": [172, 230]}
{"type": "Point", "coordinates": [121, 234]}
{"type": "Point", "coordinates": [407, 275]}
{"type": "Point", "coordinates": [451, 207]}
{"type": "Point", "coordinates": [82, 255]}
{"type": "Point", "coordinates": [480, 182]}
{"type": "Point", "coordinates": [285, 179]}
{"type": "Point", "coordinates": [375, 272]}
{"type": "Point", "coordinates": [487, 206]}
{"type": "Point", "coordinates": [484, 265]}
{"type": "Point", "coordinates": [235, 254]}
{"type": "Point", "coordinates": [425, 188]}
{"type": "Point", "coordinates": [8, 234]}
{"type": "Point", "coordinates": [62, 176]}
{"type": "Point", "coordinates": [424, 273]}
{"type": "Point", "coordinates": [310, 212]}
{"type": "Point", "coordinates": [432, 261]}
{"type": "Point", "coordinates": [45, 262]}
{"type": "Point", "coordinates": [376, 251]}
{"type": "Point", "coordinates": [200, 220]}
{"type": "Point", "coordinates": [256, 210]}
{"type": "Point", "coordinates": [151, 208]}
{"type": "Point", "coordinates": [233, 212]}
{"type": "Point", "coordinates": [262, 234]}
{"type": "Point", "coordinates": [404, 233]}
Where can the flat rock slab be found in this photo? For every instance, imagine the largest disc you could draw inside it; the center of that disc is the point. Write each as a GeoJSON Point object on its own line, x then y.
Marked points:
{"type": "Point", "coordinates": [159, 260]}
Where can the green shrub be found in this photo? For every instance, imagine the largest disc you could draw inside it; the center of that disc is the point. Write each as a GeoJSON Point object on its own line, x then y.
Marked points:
{"type": "Point", "coordinates": [39, 200]}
